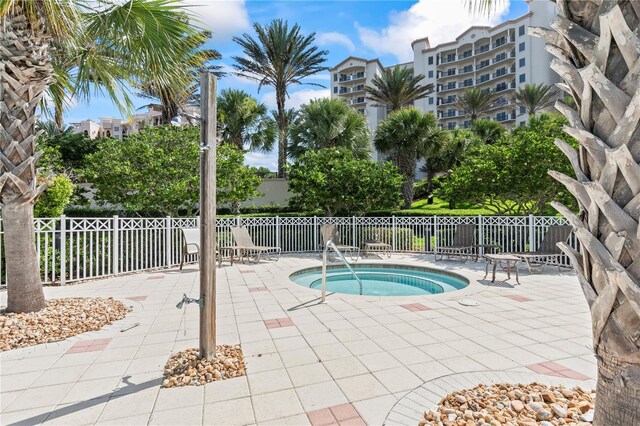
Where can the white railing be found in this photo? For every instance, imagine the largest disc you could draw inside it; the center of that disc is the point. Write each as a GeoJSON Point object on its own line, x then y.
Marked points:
{"type": "Point", "coordinates": [72, 249]}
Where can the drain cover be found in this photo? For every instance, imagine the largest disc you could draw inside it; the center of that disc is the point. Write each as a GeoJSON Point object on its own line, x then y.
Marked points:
{"type": "Point", "coordinates": [468, 302]}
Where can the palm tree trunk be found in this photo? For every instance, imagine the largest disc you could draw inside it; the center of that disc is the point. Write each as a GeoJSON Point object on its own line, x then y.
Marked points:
{"type": "Point", "coordinates": [597, 50]}
{"type": "Point", "coordinates": [407, 168]}
{"type": "Point", "coordinates": [25, 73]}
{"type": "Point", "coordinates": [282, 132]}
{"type": "Point", "coordinates": [57, 116]}
{"type": "Point", "coordinates": [25, 288]}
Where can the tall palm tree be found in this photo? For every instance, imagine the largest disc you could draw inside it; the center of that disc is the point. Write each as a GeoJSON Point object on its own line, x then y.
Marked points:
{"type": "Point", "coordinates": [397, 88]}
{"type": "Point", "coordinates": [410, 134]}
{"type": "Point", "coordinates": [140, 35]}
{"type": "Point", "coordinates": [329, 123]}
{"type": "Point", "coordinates": [535, 97]}
{"type": "Point", "coordinates": [183, 90]}
{"type": "Point", "coordinates": [596, 46]}
{"type": "Point", "coordinates": [475, 102]}
{"type": "Point", "coordinates": [280, 57]}
{"type": "Point", "coordinates": [244, 122]}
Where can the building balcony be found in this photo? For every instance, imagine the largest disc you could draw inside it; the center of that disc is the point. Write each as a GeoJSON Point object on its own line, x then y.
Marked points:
{"type": "Point", "coordinates": [352, 77]}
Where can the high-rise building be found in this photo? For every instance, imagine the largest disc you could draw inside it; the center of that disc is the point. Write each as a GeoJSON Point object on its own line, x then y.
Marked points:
{"type": "Point", "coordinates": [500, 58]}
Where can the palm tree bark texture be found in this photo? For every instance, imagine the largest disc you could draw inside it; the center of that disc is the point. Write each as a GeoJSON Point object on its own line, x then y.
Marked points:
{"type": "Point", "coordinates": [596, 49]}
{"type": "Point", "coordinates": [25, 73]}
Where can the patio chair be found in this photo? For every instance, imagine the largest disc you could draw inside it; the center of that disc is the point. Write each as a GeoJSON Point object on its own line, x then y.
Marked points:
{"type": "Point", "coordinates": [330, 232]}
{"type": "Point", "coordinates": [191, 237]}
{"type": "Point", "coordinates": [246, 247]}
{"type": "Point", "coordinates": [463, 243]}
{"type": "Point", "coordinates": [548, 253]}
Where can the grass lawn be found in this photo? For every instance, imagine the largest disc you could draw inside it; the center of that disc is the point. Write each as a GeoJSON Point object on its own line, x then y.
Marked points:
{"type": "Point", "coordinates": [441, 208]}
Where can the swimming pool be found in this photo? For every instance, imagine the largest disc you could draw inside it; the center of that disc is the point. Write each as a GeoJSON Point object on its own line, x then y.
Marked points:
{"type": "Point", "coordinates": [381, 280]}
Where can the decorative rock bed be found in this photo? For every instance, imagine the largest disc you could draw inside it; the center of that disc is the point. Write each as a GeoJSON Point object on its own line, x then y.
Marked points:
{"type": "Point", "coordinates": [60, 319]}
{"type": "Point", "coordinates": [517, 405]}
{"type": "Point", "coordinates": [187, 369]}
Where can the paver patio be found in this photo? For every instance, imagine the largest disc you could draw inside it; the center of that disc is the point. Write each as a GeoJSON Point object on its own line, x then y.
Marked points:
{"type": "Point", "coordinates": [346, 362]}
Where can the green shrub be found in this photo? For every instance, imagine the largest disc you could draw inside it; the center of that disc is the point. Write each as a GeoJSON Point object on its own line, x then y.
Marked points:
{"type": "Point", "coordinates": [54, 199]}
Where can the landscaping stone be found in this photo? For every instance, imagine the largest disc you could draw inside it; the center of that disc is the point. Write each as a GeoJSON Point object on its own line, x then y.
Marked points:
{"type": "Point", "coordinates": [187, 369]}
{"type": "Point", "coordinates": [58, 320]}
{"type": "Point", "coordinates": [513, 405]}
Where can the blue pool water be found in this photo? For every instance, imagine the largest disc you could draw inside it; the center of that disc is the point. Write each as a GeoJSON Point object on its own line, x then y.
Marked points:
{"type": "Point", "coordinates": [387, 280]}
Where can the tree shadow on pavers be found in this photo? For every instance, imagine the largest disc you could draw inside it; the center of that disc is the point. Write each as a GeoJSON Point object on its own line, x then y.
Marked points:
{"type": "Point", "coordinates": [305, 305]}
{"type": "Point", "coordinates": [129, 389]}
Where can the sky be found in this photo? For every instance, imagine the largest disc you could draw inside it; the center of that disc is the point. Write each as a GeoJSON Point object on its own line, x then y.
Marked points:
{"type": "Point", "coordinates": [367, 29]}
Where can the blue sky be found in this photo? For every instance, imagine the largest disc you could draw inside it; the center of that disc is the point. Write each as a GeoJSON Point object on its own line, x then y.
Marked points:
{"type": "Point", "coordinates": [369, 29]}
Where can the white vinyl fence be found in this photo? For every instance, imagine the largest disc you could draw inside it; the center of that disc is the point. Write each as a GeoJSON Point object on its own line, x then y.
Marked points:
{"type": "Point", "coordinates": [72, 249]}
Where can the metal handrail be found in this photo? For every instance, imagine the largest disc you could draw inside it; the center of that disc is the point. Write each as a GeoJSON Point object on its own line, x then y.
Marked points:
{"type": "Point", "coordinates": [325, 249]}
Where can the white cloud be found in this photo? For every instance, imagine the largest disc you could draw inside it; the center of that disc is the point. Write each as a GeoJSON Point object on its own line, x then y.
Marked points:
{"type": "Point", "coordinates": [296, 99]}
{"type": "Point", "coordinates": [225, 18]}
{"type": "Point", "coordinates": [335, 38]}
{"type": "Point", "coordinates": [260, 159]}
{"type": "Point", "coordinates": [440, 20]}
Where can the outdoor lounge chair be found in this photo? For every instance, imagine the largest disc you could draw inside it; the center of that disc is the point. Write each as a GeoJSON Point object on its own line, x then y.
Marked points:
{"type": "Point", "coordinates": [191, 237]}
{"type": "Point", "coordinates": [548, 253]}
{"type": "Point", "coordinates": [330, 232]}
{"type": "Point", "coordinates": [463, 243]}
{"type": "Point", "coordinates": [246, 247]}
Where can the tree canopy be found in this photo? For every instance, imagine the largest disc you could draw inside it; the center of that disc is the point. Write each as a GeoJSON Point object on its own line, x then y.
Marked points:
{"type": "Point", "coordinates": [510, 176]}
{"type": "Point", "coordinates": [334, 181]}
{"type": "Point", "coordinates": [397, 88]}
{"type": "Point", "coordinates": [157, 170]}
{"type": "Point", "coordinates": [329, 123]}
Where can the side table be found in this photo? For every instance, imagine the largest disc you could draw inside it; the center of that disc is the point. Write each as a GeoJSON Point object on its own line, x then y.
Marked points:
{"type": "Point", "coordinates": [511, 261]}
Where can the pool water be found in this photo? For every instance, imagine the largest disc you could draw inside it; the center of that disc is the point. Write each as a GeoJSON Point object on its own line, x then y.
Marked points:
{"type": "Point", "coordinates": [387, 280]}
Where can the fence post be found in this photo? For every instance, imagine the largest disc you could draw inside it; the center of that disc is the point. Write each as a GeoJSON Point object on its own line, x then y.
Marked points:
{"type": "Point", "coordinates": [394, 244]}
{"type": "Point", "coordinates": [435, 232]}
{"type": "Point", "coordinates": [63, 250]}
{"type": "Point", "coordinates": [238, 221]}
{"type": "Point", "coordinates": [532, 237]}
{"type": "Point", "coordinates": [116, 244]}
{"type": "Point", "coordinates": [481, 235]}
{"type": "Point", "coordinates": [168, 246]}
{"type": "Point", "coordinates": [278, 232]}
{"type": "Point", "coordinates": [315, 233]}
{"type": "Point", "coordinates": [353, 231]}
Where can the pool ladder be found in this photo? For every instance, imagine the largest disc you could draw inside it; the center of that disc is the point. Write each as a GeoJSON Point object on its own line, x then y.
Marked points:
{"type": "Point", "coordinates": [331, 245]}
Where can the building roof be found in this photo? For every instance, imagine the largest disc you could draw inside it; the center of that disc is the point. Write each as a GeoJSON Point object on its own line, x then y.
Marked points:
{"type": "Point", "coordinates": [351, 58]}
{"type": "Point", "coordinates": [472, 28]}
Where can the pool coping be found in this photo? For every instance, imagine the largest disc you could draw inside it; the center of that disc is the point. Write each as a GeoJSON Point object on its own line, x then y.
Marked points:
{"type": "Point", "coordinates": [471, 276]}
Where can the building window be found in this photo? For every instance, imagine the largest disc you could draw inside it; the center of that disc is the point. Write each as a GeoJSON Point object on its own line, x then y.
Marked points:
{"type": "Point", "coordinates": [431, 100]}
{"type": "Point", "coordinates": [451, 125]}
{"type": "Point", "coordinates": [431, 74]}
{"type": "Point", "coordinates": [451, 71]}
{"type": "Point", "coordinates": [521, 30]}
{"type": "Point", "coordinates": [522, 123]}
{"type": "Point", "coordinates": [521, 78]}
{"type": "Point", "coordinates": [430, 60]}
{"type": "Point", "coordinates": [521, 62]}
{"type": "Point", "coordinates": [116, 129]}
{"type": "Point", "coordinates": [108, 134]}
{"type": "Point", "coordinates": [335, 90]}
{"type": "Point", "coordinates": [335, 77]}
{"type": "Point", "coordinates": [521, 47]}
{"type": "Point", "coordinates": [86, 133]}
{"type": "Point", "coordinates": [523, 110]}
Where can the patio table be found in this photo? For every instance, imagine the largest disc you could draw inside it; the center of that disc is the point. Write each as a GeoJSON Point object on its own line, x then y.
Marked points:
{"type": "Point", "coordinates": [495, 259]}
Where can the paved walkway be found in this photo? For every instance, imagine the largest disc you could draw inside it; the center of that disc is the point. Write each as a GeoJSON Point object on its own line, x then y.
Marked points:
{"type": "Point", "coordinates": [347, 362]}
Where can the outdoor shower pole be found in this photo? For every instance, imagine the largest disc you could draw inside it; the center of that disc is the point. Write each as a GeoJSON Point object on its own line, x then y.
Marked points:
{"type": "Point", "coordinates": [208, 127]}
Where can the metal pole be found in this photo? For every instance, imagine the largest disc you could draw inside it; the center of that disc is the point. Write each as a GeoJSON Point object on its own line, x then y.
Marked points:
{"type": "Point", "coordinates": [324, 273]}
{"type": "Point", "coordinates": [208, 128]}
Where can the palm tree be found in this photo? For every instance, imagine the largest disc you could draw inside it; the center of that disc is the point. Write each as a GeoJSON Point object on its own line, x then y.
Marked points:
{"type": "Point", "coordinates": [183, 91]}
{"type": "Point", "coordinates": [446, 153]}
{"type": "Point", "coordinates": [410, 134]}
{"type": "Point", "coordinates": [489, 131]}
{"type": "Point", "coordinates": [596, 51]}
{"type": "Point", "coordinates": [244, 122]}
{"type": "Point", "coordinates": [535, 97]}
{"type": "Point", "coordinates": [329, 123]}
{"type": "Point", "coordinates": [475, 102]}
{"type": "Point", "coordinates": [280, 57]}
{"type": "Point", "coordinates": [29, 29]}
{"type": "Point", "coordinates": [397, 88]}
